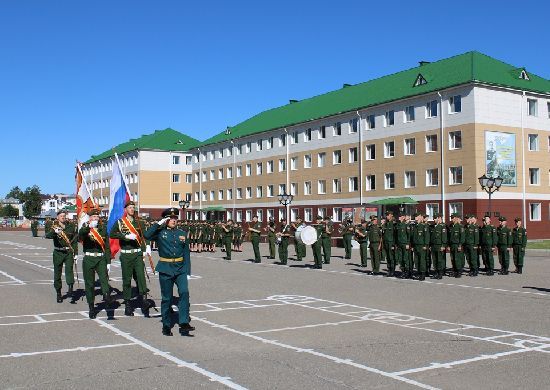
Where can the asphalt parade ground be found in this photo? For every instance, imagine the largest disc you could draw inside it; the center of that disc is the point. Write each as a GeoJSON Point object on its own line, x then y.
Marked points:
{"type": "Point", "coordinates": [268, 326]}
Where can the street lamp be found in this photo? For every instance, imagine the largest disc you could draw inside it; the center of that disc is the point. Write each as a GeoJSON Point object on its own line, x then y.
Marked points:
{"type": "Point", "coordinates": [490, 185]}
{"type": "Point", "coordinates": [184, 204]}
{"type": "Point", "coordinates": [285, 199]}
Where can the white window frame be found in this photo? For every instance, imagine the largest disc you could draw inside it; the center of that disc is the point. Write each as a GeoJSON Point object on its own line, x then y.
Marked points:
{"type": "Point", "coordinates": [431, 209]}
{"type": "Point", "coordinates": [406, 146]}
{"type": "Point", "coordinates": [282, 165]}
{"type": "Point", "coordinates": [337, 214]}
{"type": "Point", "coordinates": [353, 184]}
{"type": "Point", "coordinates": [430, 107]}
{"type": "Point", "coordinates": [306, 163]}
{"type": "Point", "coordinates": [248, 170]}
{"type": "Point", "coordinates": [456, 208]}
{"type": "Point", "coordinates": [452, 140]}
{"type": "Point", "coordinates": [294, 163]}
{"type": "Point", "coordinates": [336, 186]}
{"type": "Point", "coordinates": [353, 155]}
{"type": "Point", "coordinates": [322, 132]}
{"type": "Point", "coordinates": [370, 150]}
{"type": "Point", "coordinates": [371, 121]}
{"type": "Point", "coordinates": [386, 182]}
{"type": "Point", "coordinates": [337, 129]}
{"type": "Point", "coordinates": [538, 207]}
{"type": "Point", "coordinates": [334, 153]}
{"type": "Point", "coordinates": [308, 214]}
{"type": "Point", "coordinates": [428, 176]}
{"type": "Point", "coordinates": [409, 114]}
{"type": "Point", "coordinates": [259, 168]}
{"type": "Point", "coordinates": [321, 159]}
{"type": "Point", "coordinates": [451, 183]}
{"type": "Point", "coordinates": [321, 187]}
{"type": "Point", "coordinates": [270, 191]}
{"type": "Point", "coordinates": [370, 183]}
{"type": "Point", "coordinates": [405, 179]}
{"type": "Point", "coordinates": [536, 137]}
{"type": "Point", "coordinates": [429, 136]}
{"type": "Point", "coordinates": [307, 184]}
{"type": "Point", "coordinates": [532, 103]}
{"type": "Point", "coordinates": [537, 171]}
{"type": "Point", "coordinates": [387, 150]}
{"type": "Point", "coordinates": [453, 104]}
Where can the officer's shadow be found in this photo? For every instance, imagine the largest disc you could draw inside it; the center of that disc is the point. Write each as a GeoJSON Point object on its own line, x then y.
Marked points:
{"type": "Point", "coordinates": [542, 289]}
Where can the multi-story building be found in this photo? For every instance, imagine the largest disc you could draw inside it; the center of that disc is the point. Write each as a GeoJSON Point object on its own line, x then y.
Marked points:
{"type": "Point", "coordinates": [156, 168]}
{"type": "Point", "coordinates": [416, 140]}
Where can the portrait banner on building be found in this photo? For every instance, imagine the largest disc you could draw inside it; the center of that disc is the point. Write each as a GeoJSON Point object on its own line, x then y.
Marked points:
{"type": "Point", "coordinates": [500, 156]}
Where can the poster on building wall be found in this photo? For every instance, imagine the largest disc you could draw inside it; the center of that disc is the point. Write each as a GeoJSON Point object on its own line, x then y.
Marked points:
{"type": "Point", "coordinates": [500, 156]}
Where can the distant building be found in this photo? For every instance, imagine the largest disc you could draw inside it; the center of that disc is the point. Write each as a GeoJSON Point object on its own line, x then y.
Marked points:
{"type": "Point", "coordinates": [14, 203]}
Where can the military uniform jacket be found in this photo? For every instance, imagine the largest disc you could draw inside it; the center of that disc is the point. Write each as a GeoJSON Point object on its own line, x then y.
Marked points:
{"type": "Point", "coordinates": [362, 230]}
{"type": "Point", "coordinates": [227, 235]}
{"type": "Point", "coordinates": [347, 229]}
{"type": "Point", "coordinates": [119, 231]}
{"type": "Point", "coordinates": [375, 234]}
{"type": "Point", "coordinates": [256, 226]}
{"type": "Point", "coordinates": [471, 234]}
{"type": "Point", "coordinates": [439, 235]}
{"type": "Point", "coordinates": [327, 231]}
{"type": "Point", "coordinates": [519, 236]}
{"type": "Point", "coordinates": [456, 234]}
{"type": "Point", "coordinates": [420, 235]}
{"type": "Point", "coordinates": [89, 243]}
{"type": "Point", "coordinates": [70, 233]}
{"type": "Point", "coordinates": [271, 233]}
{"type": "Point", "coordinates": [504, 236]}
{"type": "Point", "coordinates": [488, 235]}
{"type": "Point", "coordinates": [285, 231]}
{"type": "Point", "coordinates": [402, 233]}
{"type": "Point", "coordinates": [319, 229]}
{"type": "Point", "coordinates": [388, 232]}
{"type": "Point", "coordinates": [171, 247]}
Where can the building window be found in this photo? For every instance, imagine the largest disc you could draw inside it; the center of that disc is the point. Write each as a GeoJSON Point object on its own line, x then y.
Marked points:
{"type": "Point", "coordinates": [212, 195]}
{"type": "Point", "coordinates": [248, 215]}
{"type": "Point", "coordinates": [282, 165]}
{"type": "Point", "coordinates": [239, 149]}
{"type": "Point", "coordinates": [270, 166]}
{"type": "Point", "coordinates": [337, 157]}
{"type": "Point", "coordinates": [282, 188]}
{"type": "Point", "coordinates": [337, 214]}
{"type": "Point", "coordinates": [534, 176]}
{"type": "Point", "coordinates": [259, 145]}
{"type": "Point", "coordinates": [175, 178]}
{"type": "Point", "coordinates": [431, 209]}
{"type": "Point", "coordinates": [293, 163]}
{"type": "Point", "coordinates": [534, 211]}
{"type": "Point", "coordinates": [455, 175]}
{"type": "Point", "coordinates": [293, 215]}
{"type": "Point", "coordinates": [322, 187]}
{"type": "Point", "coordinates": [431, 143]}
{"type": "Point", "coordinates": [230, 172]}
{"type": "Point", "coordinates": [259, 192]}
{"type": "Point", "coordinates": [370, 183]}
{"type": "Point", "coordinates": [270, 191]}
{"type": "Point", "coordinates": [432, 177]}
{"type": "Point", "coordinates": [239, 216]}
{"type": "Point", "coordinates": [533, 140]}
{"type": "Point", "coordinates": [282, 140]}
{"type": "Point", "coordinates": [175, 160]}
{"type": "Point", "coordinates": [409, 114]}
{"type": "Point", "coordinates": [220, 194]}
{"type": "Point", "coordinates": [371, 122]}
{"type": "Point", "coordinates": [248, 171]}
{"type": "Point", "coordinates": [294, 138]}
{"type": "Point", "coordinates": [212, 174]}
{"type": "Point", "coordinates": [270, 214]}
{"type": "Point", "coordinates": [307, 161]}
{"type": "Point", "coordinates": [239, 171]}
{"type": "Point", "coordinates": [337, 128]}
{"type": "Point", "coordinates": [389, 118]}
{"type": "Point", "coordinates": [455, 208]}
{"type": "Point", "coordinates": [203, 196]}
{"type": "Point", "coordinates": [229, 151]}
{"type": "Point", "coordinates": [270, 143]}
{"type": "Point", "coordinates": [370, 152]}
{"type": "Point", "coordinates": [259, 168]}
{"type": "Point", "coordinates": [282, 213]}
{"type": "Point", "coordinates": [188, 178]}
{"type": "Point", "coordinates": [248, 147]}
{"type": "Point", "coordinates": [220, 153]}
{"type": "Point", "coordinates": [455, 140]}
{"type": "Point", "coordinates": [322, 132]}
{"type": "Point", "coordinates": [308, 214]}
{"type": "Point", "coordinates": [353, 184]}
{"type": "Point", "coordinates": [336, 186]}
{"type": "Point", "coordinates": [196, 196]}
{"type": "Point", "coordinates": [293, 189]}
{"type": "Point", "coordinates": [321, 157]}
{"type": "Point", "coordinates": [307, 135]}
{"type": "Point", "coordinates": [431, 109]}
{"type": "Point", "coordinates": [410, 146]}
{"type": "Point", "coordinates": [532, 108]}
{"type": "Point", "coordinates": [204, 176]}
{"type": "Point", "coordinates": [455, 104]}
{"type": "Point", "coordinates": [354, 125]}
{"type": "Point", "coordinates": [389, 181]}
{"type": "Point", "coordinates": [211, 155]}
{"type": "Point", "coordinates": [322, 211]}
{"type": "Point", "coordinates": [248, 192]}
{"type": "Point", "coordinates": [353, 155]}
{"type": "Point", "coordinates": [410, 179]}
{"type": "Point", "coordinates": [389, 149]}
{"type": "Point", "coordinates": [220, 174]}
{"type": "Point", "coordinates": [239, 193]}
{"type": "Point", "coordinates": [230, 194]}
{"type": "Point", "coordinates": [307, 188]}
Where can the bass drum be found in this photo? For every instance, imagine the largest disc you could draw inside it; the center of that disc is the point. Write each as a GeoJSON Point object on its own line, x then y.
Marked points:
{"type": "Point", "coordinates": [306, 235]}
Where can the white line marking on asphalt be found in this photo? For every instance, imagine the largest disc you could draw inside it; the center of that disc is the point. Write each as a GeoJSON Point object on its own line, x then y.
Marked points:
{"type": "Point", "coordinates": [77, 349]}
{"type": "Point", "coordinates": [305, 326]}
{"type": "Point", "coordinates": [166, 355]}
{"type": "Point", "coordinates": [309, 351]}
{"type": "Point", "coordinates": [13, 278]}
{"type": "Point", "coordinates": [36, 265]}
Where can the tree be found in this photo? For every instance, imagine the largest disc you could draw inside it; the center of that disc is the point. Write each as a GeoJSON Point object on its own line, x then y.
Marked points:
{"type": "Point", "coordinates": [33, 201]}
{"type": "Point", "coordinates": [9, 211]}
{"type": "Point", "coordinates": [16, 193]}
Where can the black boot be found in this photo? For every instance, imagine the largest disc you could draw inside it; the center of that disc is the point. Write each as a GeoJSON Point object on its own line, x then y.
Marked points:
{"type": "Point", "coordinates": [186, 328]}
{"type": "Point", "coordinates": [59, 297]}
{"type": "Point", "coordinates": [108, 298]}
{"type": "Point", "coordinates": [421, 277]}
{"type": "Point", "coordinates": [70, 291]}
{"type": "Point", "coordinates": [128, 311]}
{"type": "Point", "coordinates": [145, 304]}
{"type": "Point", "coordinates": [440, 274]}
{"type": "Point", "coordinates": [92, 313]}
{"type": "Point", "coordinates": [520, 269]}
{"type": "Point", "coordinates": [166, 331]}
{"type": "Point", "coordinates": [490, 272]}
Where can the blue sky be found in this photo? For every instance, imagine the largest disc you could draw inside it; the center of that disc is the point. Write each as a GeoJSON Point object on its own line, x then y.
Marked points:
{"type": "Point", "coordinates": [78, 77]}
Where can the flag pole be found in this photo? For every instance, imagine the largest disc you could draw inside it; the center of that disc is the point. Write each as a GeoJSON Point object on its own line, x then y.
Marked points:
{"type": "Point", "coordinates": [78, 166]}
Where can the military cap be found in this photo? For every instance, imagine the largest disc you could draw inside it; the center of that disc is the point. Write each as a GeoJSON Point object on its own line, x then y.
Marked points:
{"type": "Point", "coordinates": [416, 215]}
{"type": "Point", "coordinates": [454, 215]}
{"type": "Point", "coordinates": [373, 217]}
{"type": "Point", "coordinates": [502, 218]}
{"type": "Point", "coordinates": [62, 211]}
{"type": "Point", "coordinates": [93, 212]}
{"type": "Point", "coordinates": [129, 203]}
{"type": "Point", "coordinates": [319, 217]}
{"type": "Point", "coordinates": [170, 212]}
{"type": "Point", "coordinates": [389, 212]}
{"type": "Point", "coordinates": [517, 219]}
{"type": "Point", "coordinates": [437, 215]}
{"type": "Point", "coordinates": [327, 218]}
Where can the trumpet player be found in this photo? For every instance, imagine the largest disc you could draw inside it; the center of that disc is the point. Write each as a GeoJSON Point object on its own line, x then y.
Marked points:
{"type": "Point", "coordinates": [361, 234]}
{"type": "Point", "coordinates": [271, 237]}
{"type": "Point", "coordinates": [65, 243]}
{"type": "Point", "coordinates": [326, 240]}
{"type": "Point", "coordinates": [347, 230]}
{"type": "Point", "coordinates": [284, 235]}
{"type": "Point", "coordinates": [255, 231]}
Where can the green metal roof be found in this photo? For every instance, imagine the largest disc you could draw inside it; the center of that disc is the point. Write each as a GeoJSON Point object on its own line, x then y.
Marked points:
{"type": "Point", "coordinates": [461, 69]}
{"type": "Point", "coordinates": [395, 201]}
{"type": "Point", "coordinates": [213, 208]}
{"type": "Point", "coordinates": [167, 139]}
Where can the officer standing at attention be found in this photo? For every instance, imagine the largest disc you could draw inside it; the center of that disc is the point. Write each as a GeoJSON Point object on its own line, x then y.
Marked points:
{"type": "Point", "coordinates": [488, 239]}
{"type": "Point", "coordinates": [316, 246]}
{"type": "Point", "coordinates": [471, 244]}
{"type": "Point", "coordinates": [438, 243]}
{"type": "Point", "coordinates": [174, 267]}
{"type": "Point", "coordinates": [388, 239]}
{"type": "Point", "coordinates": [271, 237]}
{"type": "Point", "coordinates": [375, 245]}
{"type": "Point", "coordinates": [403, 246]}
{"type": "Point", "coordinates": [347, 235]}
{"type": "Point", "coordinates": [255, 231]}
{"type": "Point", "coordinates": [285, 237]}
{"type": "Point", "coordinates": [326, 240]}
{"type": "Point", "coordinates": [95, 245]}
{"type": "Point", "coordinates": [361, 235]}
{"type": "Point", "coordinates": [519, 242]}
{"type": "Point", "coordinates": [226, 232]}
{"type": "Point", "coordinates": [420, 239]}
{"type": "Point", "coordinates": [34, 227]}
{"type": "Point", "coordinates": [504, 245]}
{"type": "Point", "coordinates": [456, 245]}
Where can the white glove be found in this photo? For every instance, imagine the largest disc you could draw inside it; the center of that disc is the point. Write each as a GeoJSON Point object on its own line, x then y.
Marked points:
{"type": "Point", "coordinates": [188, 277]}
{"type": "Point", "coordinates": [93, 224]}
{"type": "Point", "coordinates": [108, 268]}
{"type": "Point", "coordinates": [164, 220]}
{"type": "Point", "coordinates": [130, 236]}
{"type": "Point", "coordinates": [148, 250]}
{"type": "Point", "coordinates": [57, 230]}
{"type": "Point", "coordinates": [75, 259]}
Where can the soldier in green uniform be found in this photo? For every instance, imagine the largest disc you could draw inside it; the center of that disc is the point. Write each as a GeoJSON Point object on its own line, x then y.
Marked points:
{"type": "Point", "coordinates": [420, 240]}
{"type": "Point", "coordinates": [471, 244]}
{"type": "Point", "coordinates": [326, 240]}
{"type": "Point", "coordinates": [456, 245]}
{"type": "Point", "coordinates": [255, 231]}
{"type": "Point", "coordinates": [284, 233]}
{"type": "Point", "coordinates": [519, 242]}
{"type": "Point", "coordinates": [65, 243]}
{"type": "Point", "coordinates": [192, 237]}
{"type": "Point", "coordinates": [95, 245]}
{"type": "Point", "coordinates": [219, 234]}
{"type": "Point", "coordinates": [316, 246]}
{"type": "Point", "coordinates": [300, 247]}
{"type": "Point", "coordinates": [347, 234]}
{"type": "Point", "coordinates": [271, 237]}
{"type": "Point", "coordinates": [47, 226]}
{"type": "Point", "coordinates": [403, 247]}
{"type": "Point", "coordinates": [375, 245]}
{"type": "Point", "coordinates": [34, 227]}
{"type": "Point", "coordinates": [129, 231]}
{"type": "Point", "coordinates": [361, 236]}
{"type": "Point", "coordinates": [237, 238]}
{"type": "Point", "coordinates": [488, 240]}
{"type": "Point", "coordinates": [388, 238]}
{"type": "Point", "coordinates": [438, 246]}
{"type": "Point", "coordinates": [504, 245]}
{"type": "Point", "coordinates": [174, 267]}
{"type": "Point", "coordinates": [227, 231]}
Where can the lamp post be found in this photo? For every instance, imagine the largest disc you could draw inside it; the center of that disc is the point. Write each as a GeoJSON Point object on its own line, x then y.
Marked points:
{"type": "Point", "coordinates": [285, 200]}
{"type": "Point", "coordinates": [184, 204]}
{"type": "Point", "coordinates": [490, 185]}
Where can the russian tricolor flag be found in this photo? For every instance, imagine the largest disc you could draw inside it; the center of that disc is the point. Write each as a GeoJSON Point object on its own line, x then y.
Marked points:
{"type": "Point", "coordinates": [118, 197]}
